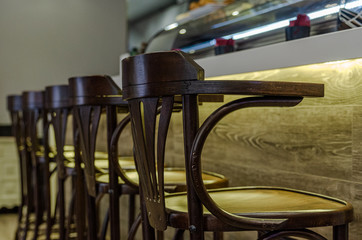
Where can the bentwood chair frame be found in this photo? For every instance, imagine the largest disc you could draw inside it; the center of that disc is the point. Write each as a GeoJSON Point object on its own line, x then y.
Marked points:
{"type": "Point", "coordinates": [90, 97]}
{"type": "Point", "coordinates": [33, 116]}
{"type": "Point", "coordinates": [92, 94]}
{"type": "Point", "coordinates": [151, 81]}
{"type": "Point", "coordinates": [58, 109]}
{"type": "Point", "coordinates": [26, 200]}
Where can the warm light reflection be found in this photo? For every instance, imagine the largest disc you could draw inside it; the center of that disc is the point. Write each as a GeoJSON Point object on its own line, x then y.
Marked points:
{"type": "Point", "coordinates": [337, 62]}
{"type": "Point", "coordinates": [328, 11]}
{"type": "Point", "coordinates": [171, 26]}
{"type": "Point", "coordinates": [285, 23]}
{"type": "Point", "coordinates": [182, 31]}
{"type": "Point", "coordinates": [321, 72]}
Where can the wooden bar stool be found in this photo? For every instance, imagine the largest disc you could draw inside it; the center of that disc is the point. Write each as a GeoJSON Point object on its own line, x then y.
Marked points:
{"type": "Point", "coordinates": [90, 95]}
{"type": "Point", "coordinates": [152, 80]}
{"type": "Point", "coordinates": [58, 109]}
{"type": "Point", "coordinates": [34, 121]}
{"type": "Point", "coordinates": [39, 157]}
{"type": "Point", "coordinates": [15, 107]}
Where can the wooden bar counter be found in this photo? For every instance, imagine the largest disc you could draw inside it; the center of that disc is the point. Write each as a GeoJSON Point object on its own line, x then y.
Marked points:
{"type": "Point", "coordinates": [316, 146]}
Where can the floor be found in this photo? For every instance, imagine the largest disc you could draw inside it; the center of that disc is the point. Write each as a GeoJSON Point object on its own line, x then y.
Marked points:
{"type": "Point", "coordinates": [7, 226]}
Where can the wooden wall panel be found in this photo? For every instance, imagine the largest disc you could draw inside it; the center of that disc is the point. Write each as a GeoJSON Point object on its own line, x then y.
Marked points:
{"type": "Point", "coordinates": [315, 146]}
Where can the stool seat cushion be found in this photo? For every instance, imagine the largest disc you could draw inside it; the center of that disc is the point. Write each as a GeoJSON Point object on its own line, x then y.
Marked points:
{"type": "Point", "coordinates": [270, 202]}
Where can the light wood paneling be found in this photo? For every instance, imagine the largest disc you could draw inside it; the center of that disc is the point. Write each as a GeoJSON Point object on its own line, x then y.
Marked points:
{"type": "Point", "coordinates": [315, 146]}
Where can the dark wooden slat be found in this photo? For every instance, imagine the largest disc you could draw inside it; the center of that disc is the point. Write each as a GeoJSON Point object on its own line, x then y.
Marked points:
{"type": "Point", "coordinates": [149, 107]}
{"type": "Point", "coordinates": [165, 116]}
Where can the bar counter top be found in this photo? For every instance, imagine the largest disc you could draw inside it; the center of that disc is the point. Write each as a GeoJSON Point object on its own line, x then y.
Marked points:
{"type": "Point", "coordinates": [315, 146]}
{"type": "Point", "coordinates": [328, 47]}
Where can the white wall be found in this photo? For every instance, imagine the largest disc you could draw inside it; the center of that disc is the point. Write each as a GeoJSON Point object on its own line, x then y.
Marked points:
{"type": "Point", "coordinates": [44, 42]}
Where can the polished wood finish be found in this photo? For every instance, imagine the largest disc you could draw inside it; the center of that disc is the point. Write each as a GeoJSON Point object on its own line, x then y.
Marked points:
{"type": "Point", "coordinates": [90, 96]}
{"type": "Point", "coordinates": [33, 114]}
{"type": "Point", "coordinates": [14, 106]}
{"type": "Point", "coordinates": [57, 107]}
{"type": "Point", "coordinates": [150, 78]}
{"type": "Point", "coordinates": [88, 107]}
{"type": "Point", "coordinates": [168, 82]}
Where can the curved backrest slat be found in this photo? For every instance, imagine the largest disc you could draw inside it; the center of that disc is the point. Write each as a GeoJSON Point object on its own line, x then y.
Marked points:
{"type": "Point", "coordinates": [90, 95]}
{"type": "Point", "coordinates": [149, 152]}
{"type": "Point", "coordinates": [57, 104]}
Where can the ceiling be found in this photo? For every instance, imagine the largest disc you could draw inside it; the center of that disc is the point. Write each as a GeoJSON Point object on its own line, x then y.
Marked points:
{"type": "Point", "coordinates": [141, 8]}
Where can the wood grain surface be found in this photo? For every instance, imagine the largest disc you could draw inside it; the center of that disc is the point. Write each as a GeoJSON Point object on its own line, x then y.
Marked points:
{"type": "Point", "coordinates": [315, 146]}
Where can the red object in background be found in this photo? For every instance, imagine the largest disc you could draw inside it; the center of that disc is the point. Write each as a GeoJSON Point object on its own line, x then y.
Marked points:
{"type": "Point", "coordinates": [224, 42]}
{"type": "Point", "coordinates": [224, 46]}
{"type": "Point", "coordinates": [302, 20]}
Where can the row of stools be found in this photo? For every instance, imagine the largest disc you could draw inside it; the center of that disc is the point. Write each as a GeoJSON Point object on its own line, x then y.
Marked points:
{"type": "Point", "coordinates": [155, 87]}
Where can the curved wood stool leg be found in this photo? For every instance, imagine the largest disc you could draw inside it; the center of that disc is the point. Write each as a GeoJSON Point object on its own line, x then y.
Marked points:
{"type": "Point", "coordinates": [27, 225]}
{"type": "Point", "coordinates": [179, 234]}
{"type": "Point", "coordinates": [71, 213]}
{"type": "Point", "coordinates": [303, 233]}
{"type": "Point", "coordinates": [131, 211]}
{"type": "Point", "coordinates": [61, 207]}
{"type": "Point", "coordinates": [91, 215]}
{"type": "Point", "coordinates": [15, 107]}
{"type": "Point", "coordinates": [218, 235]}
{"type": "Point", "coordinates": [80, 191]}
{"type": "Point", "coordinates": [148, 232]}
{"type": "Point", "coordinates": [29, 200]}
{"type": "Point", "coordinates": [133, 229]}
{"type": "Point", "coordinates": [38, 208]}
{"type": "Point", "coordinates": [104, 226]}
{"type": "Point", "coordinates": [101, 231]}
{"type": "Point", "coordinates": [20, 217]}
{"type": "Point", "coordinates": [159, 235]}
{"type": "Point", "coordinates": [340, 232]}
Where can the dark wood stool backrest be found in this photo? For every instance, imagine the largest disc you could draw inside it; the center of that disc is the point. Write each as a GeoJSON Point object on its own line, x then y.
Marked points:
{"type": "Point", "coordinates": [34, 125]}
{"type": "Point", "coordinates": [14, 104]}
{"type": "Point", "coordinates": [58, 108]}
{"type": "Point", "coordinates": [33, 108]}
{"type": "Point", "coordinates": [150, 83]}
{"type": "Point", "coordinates": [90, 96]}
{"type": "Point", "coordinates": [15, 108]}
